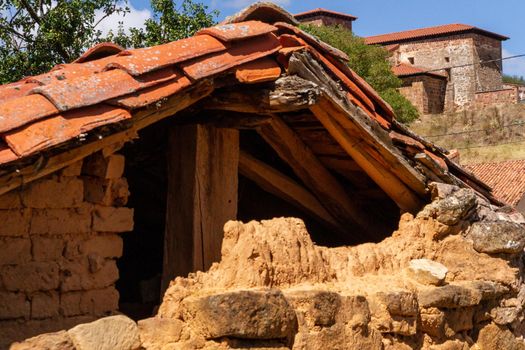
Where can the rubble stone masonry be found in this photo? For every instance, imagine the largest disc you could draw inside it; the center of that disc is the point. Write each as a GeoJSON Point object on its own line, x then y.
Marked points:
{"type": "Point", "coordinates": [459, 56]}
{"type": "Point", "coordinates": [59, 239]}
{"type": "Point", "coordinates": [425, 92]}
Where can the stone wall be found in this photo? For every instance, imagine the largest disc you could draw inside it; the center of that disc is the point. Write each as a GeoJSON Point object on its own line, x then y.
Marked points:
{"type": "Point", "coordinates": [59, 243]}
{"type": "Point", "coordinates": [453, 51]}
{"type": "Point", "coordinates": [426, 93]}
{"type": "Point", "coordinates": [488, 75]}
{"type": "Point", "coordinates": [489, 98]}
{"type": "Point", "coordinates": [322, 20]}
{"type": "Point", "coordinates": [449, 278]}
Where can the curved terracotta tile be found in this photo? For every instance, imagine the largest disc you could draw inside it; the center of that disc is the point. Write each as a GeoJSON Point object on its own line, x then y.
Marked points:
{"type": "Point", "coordinates": [15, 90]}
{"type": "Point", "coordinates": [20, 111]}
{"type": "Point", "coordinates": [237, 54]}
{"type": "Point", "coordinates": [152, 94]}
{"type": "Point", "coordinates": [258, 71]}
{"type": "Point", "coordinates": [238, 31]}
{"type": "Point", "coordinates": [6, 154]}
{"type": "Point", "coordinates": [88, 90]}
{"type": "Point", "coordinates": [99, 51]}
{"type": "Point", "coordinates": [60, 128]}
{"type": "Point", "coordinates": [140, 61]}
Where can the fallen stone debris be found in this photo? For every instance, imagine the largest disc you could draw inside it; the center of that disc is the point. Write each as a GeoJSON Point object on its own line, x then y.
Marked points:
{"type": "Point", "coordinates": [451, 277]}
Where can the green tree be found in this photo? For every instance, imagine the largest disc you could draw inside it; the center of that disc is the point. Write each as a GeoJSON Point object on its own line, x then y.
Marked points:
{"type": "Point", "coordinates": [513, 79]}
{"type": "Point", "coordinates": [371, 63]}
{"type": "Point", "coordinates": [35, 35]}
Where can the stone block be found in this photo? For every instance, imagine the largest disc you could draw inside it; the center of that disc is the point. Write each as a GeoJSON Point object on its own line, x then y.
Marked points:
{"type": "Point", "coordinates": [44, 305]}
{"type": "Point", "coordinates": [317, 307]}
{"type": "Point", "coordinates": [64, 192]}
{"type": "Point", "coordinates": [111, 167]}
{"type": "Point", "coordinates": [31, 277]}
{"type": "Point", "coordinates": [99, 302]}
{"type": "Point", "coordinates": [110, 219]}
{"type": "Point", "coordinates": [498, 237]}
{"type": "Point", "coordinates": [399, 303]}
{"type": "Point", "coordinates": [14, 305]}
{"type": "Point", "coordinates": [156, 332]}
{"type": "Point", "coordinates": [74, 169]}
{"type": "Point", "coordinates": [14, 250]}
{"type": "Point", "coordinates": [49, 341]}
{"type": "Point", "coordinates": [11, 200]}
{"type": "Point", "coordinates": [15, 222]}
{"type": "Point", "coordinates": [263, 314]}
{"type": "Point", "coordinates": [498, 337]}
{"type": "Point", "coordinates": [392, 316]}
{"type": "Point", "coordinates": [76, 275]}
{"type": "Point", "coordinates": [449, 296]}
{"type": "Point", "coordinates": [110, 333]}
{"type": "Point", "coordinates": [433, 322]}
{"type": "Point", "coordinates": [47, 248]}
{"type": "Point", "coordinates": [427, 272]}
{"type": "Point", "coordinates": [61, 221]}
{"type": "Point", "coordinates": [70, 303]}
{"type": "Point", "coordinates": [112, 192]}
{"type": "Point", "coordinates": [104, 245]}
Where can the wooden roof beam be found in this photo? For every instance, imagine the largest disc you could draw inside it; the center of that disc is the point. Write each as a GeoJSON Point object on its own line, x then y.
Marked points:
{"type": "Point", "coordinates": [319, 180]}
{"type": "Point", "coordinates": [280, 185]}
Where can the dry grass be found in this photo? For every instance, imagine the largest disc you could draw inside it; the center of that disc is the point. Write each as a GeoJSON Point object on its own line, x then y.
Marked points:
{"type": "Point", "coordinates": [495, 133]}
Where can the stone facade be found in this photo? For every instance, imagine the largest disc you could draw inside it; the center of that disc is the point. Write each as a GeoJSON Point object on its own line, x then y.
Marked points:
{"type": "Point", "coordinates": [489, 98]}
{"type": "Point", "coordinates": [324, 20]}
{"type": "Point", "coordinates": [457, 55]}
{"type": "Point", "coordinates": [59, 240]}
{"type": "Point", "coordinates": [425, 92]}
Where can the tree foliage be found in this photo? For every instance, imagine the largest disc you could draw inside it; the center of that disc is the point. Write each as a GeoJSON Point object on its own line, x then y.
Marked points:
{"type": "Point", "coordinates": [513, 79]}
{"type": "Point", "coordinates": [371, 63]}
{"type": "Point", "coordinates": [35, 35]}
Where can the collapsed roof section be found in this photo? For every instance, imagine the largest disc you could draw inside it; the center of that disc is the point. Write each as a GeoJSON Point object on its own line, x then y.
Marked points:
{"type": "Point", "coordinates": [255, 63]}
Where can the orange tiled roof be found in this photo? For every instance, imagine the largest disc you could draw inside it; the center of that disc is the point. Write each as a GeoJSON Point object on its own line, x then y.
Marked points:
{"type": "Point", "coordinates": [321, 11]}
{"type": "Point", "coordinates": [109, 90]}
{"type": "Point", "coordinates": [430, 32]}
{"type": "Point", "coordinates": [404, 70]}
{"type": "Point", "coordinates": [507, 178]}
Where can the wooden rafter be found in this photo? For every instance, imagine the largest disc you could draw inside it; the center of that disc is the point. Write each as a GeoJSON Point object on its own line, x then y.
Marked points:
{"type": "Point", "coordinates": [280, 185]}
{"type": "Point", "coordinates": [317, 178]}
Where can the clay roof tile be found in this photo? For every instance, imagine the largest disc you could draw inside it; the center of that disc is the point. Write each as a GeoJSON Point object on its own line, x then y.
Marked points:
{"type": "Point", "coordinates": [20, 111]}
{"type": "Point", "coordinates": [140, 61]}
{"type": "Point", "coordinates": [88, 90]}
{"type": "Point", "coordinates": [236, 55]}
{"type": "Point", "coordinates": [238, 31]}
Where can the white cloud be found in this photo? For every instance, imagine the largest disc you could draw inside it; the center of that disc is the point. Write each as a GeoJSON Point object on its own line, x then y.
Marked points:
{"type": "Point", "coordinates": [134, 18]}
{"type": "Point", "coordinates": [513, 66]}
{"type": "Point", "coordinates": [239, 4]}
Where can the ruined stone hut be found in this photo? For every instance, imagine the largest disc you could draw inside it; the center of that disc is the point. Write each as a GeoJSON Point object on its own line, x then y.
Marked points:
{"type": "Point", "coordinates": [119, 170]}
{"type": "Point", "coordinates": [469, 56]}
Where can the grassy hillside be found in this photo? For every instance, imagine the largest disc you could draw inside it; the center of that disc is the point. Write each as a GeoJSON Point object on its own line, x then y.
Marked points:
{"type": "Point", "coordinates": [494, 133]}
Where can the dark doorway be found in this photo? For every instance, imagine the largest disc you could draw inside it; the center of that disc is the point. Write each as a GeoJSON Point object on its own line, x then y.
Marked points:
{"type": "Point", "coordinates": [140, 267]}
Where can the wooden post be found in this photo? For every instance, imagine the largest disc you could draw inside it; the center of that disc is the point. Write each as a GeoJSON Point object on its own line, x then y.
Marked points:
{"type": "Point", "coordinates": [202, 196]}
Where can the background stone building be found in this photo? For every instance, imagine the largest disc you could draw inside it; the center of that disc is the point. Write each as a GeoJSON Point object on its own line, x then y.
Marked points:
{"type": "Point", "coordinates": [323, 17]}
{"type": "Point", "coordinates": [469, 56]}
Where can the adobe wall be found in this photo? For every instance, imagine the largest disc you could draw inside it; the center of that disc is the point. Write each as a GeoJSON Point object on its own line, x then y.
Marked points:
{"type": "Point", "coordinates": [426, 93]}
{"type": "Point", "coordinates": [59, 241]}
{"type": "Point", "coordinates": [327, 21]}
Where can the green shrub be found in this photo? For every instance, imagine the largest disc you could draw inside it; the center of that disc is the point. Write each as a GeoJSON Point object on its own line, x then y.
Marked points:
{"type": "Point", "coordinates": [371, 63]}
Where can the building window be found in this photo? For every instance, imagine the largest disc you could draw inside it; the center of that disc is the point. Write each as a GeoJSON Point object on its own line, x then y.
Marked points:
{"type": "Point", "coordinates": [411, 60]}
{"type": "Point", "coordinates": [447, 59]}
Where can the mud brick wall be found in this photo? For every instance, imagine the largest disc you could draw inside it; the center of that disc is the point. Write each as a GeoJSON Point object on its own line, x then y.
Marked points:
{"type": "Point", "coordinates": [426, 93]}
{"type": "Point", "coordinates": [59, 241]}
{"type": "Point", "coordinates": [489, 98]}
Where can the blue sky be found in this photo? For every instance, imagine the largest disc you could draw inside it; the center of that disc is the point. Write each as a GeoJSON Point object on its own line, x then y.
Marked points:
{"type": "Point", "coordinates": [382, 16]}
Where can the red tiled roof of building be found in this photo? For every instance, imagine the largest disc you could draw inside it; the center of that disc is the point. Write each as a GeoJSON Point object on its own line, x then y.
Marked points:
{"type": "Point", "coordinates": [430, 32]}
{"type": "Point", "coordinates": [404, 70]}
{"type": "Point", "coordinates": [320, 11]}
{"type": "Point", "coordinates": [507, 178]}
